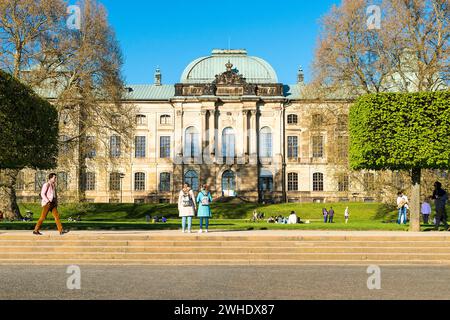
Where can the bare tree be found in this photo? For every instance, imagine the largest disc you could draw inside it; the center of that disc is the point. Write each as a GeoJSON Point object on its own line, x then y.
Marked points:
{"type": "Point", "coordinates": [80, 70]}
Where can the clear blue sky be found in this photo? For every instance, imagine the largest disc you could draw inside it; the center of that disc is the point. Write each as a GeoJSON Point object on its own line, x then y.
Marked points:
{"type": "Point", "coordinates": [172, 33]}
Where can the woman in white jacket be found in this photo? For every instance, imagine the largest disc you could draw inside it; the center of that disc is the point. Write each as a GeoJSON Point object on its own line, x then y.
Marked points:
{"type": "Point", "coordinates": [186, 207]}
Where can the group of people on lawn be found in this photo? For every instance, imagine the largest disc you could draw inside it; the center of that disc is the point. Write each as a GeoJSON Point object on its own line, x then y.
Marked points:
{"type": "Point", "coordinates": [440, 198]}
{"type": "Point", "coordinates": [189, 206]}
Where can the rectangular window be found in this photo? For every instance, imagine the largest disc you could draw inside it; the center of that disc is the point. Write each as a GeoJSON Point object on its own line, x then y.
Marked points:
{"type": "Point", "coordinates": [114, 146]}
{"type": "Point", "coordinates": [342, 146]}
{"type": "Point", "coordinates": [318, 182]}
{"type": "Point", "coordinates": [292, 147]}
{"type": "Point", "coordinates": [89, 181]}
{"type": "Point", "coordinates": [90, 147]}
{"type": "Point", "coordinates": [369, 182]}
{"type": "Point", "coordinates": [164, 182]}
{"type": "Point", "coordinates": [63, 181]}
{"type": "Point", "coordinates": [317, 144]}
{"type": "Point", "coordinates": [114, 181]}
{"type": "Point", "coordinates": [343, 183]}
{"type": "Point", "coordinates": [40, 178]}
{"type": "Point", "coordinates": [292, 182]}
{"type": "Point", "coordinates": [164, 147]}
{"type": "Point", "coordinates": [139, 145]}
{"type": "Point", "coordinates": [139, 181]}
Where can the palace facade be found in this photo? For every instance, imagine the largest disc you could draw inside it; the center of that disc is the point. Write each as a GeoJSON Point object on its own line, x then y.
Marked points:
{"type": "Point", "coordinates": [231, 124]}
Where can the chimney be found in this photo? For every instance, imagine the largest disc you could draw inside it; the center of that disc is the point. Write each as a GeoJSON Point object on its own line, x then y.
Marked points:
{"type": "Point", "coordinates": [300, 76]}
{"type": "Point", "coordinates": [157, 77]}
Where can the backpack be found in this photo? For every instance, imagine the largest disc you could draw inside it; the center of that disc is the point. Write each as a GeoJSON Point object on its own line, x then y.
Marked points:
{"type": "Point", "coordinates": [186, 200]}
{"type": "Point", "coordinates": [205, 200]}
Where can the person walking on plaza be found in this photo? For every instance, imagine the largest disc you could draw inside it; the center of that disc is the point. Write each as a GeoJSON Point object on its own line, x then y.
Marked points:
{"type": "Point", "coordinates": [49, 203]}
{"type": "Point", "coordinates": [426, 211]}
{"type": "Point", "coordinates": [440, 197]}
{"type": "Point", "coordinates": [330, 215]}
{"type": "Point", "coordinates": [402, 206]}
{"type": "Point", "coordinates": [186, 207]}
{"type": "Point", "coordinates": [325, 215]}
{"type": "Point", "coordinates": [346, 215]}
{"type": "Point", "coordinates": [204, 200]}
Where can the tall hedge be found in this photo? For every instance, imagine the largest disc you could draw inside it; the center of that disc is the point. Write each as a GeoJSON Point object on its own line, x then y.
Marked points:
{"type": "Point", "coordinates": [400, 131]}
{"type": "Point", "coordinates": [28, 127]}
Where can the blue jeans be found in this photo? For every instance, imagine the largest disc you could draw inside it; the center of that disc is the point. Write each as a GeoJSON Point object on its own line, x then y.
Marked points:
{"type": "Point", "coordinates": [325, 218]}
{"type": "Point", "coordinates": [206, 222]}
{"type": "Point", "coordinates": [330, 219]}
{"type": "Point", "coordinates": [183, 222]}
{"type": "Point", "coordinates": [401, 215]}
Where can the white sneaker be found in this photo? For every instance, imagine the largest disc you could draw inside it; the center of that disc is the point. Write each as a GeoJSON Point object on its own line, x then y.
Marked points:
{"type": "Point", "coordinates": [184, 231]}
{"type": "Point", "coordinates": [189, 231]}
{"type": "Point", "coordinates": [206, 231]}
{"type": "Point", "coordinates": [200, 231]}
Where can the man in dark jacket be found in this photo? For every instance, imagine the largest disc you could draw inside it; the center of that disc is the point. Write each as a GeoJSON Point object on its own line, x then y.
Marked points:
{"type": "Point", "coordinates": [440, 200]}
{"type": "Point", "coordinates": [330, 215]}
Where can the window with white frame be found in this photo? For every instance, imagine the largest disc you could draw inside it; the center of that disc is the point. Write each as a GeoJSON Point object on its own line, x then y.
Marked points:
{"type": "Point", "coordinates": [318, 181]}
{"type": "Point", "coordinates": [292, 181]}
{"type": "Point", "coordinates": [139, 146]}
{"type": "Point", "coordinates": [293, 147]}
{"type": "Point", "coordinates": [139, 181]}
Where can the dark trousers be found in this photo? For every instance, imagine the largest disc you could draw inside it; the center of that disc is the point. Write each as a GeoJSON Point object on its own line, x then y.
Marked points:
{"type": "Point", "coordinates": [426, 217]}
{"type": "Point", "coordinates": [325, 218]}
{"type": "Point", "coordinates": [330, 219]}
{"type": "Point", "coordinates": [441, 216]}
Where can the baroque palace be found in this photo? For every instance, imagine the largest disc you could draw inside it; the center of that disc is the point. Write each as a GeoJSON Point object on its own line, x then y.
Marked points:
{"type": "Point", "coordinates": [229, 123]}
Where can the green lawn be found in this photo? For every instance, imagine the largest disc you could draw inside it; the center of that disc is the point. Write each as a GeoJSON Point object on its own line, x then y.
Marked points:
{"type": "Point", "coordinates": [363, 216]}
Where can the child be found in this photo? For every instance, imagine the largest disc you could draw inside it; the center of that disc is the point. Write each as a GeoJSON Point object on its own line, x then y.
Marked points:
{"type": "Point", "coordinates": [346, 215]}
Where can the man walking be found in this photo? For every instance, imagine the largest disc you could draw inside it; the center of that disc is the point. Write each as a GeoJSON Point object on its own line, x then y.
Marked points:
{"type": "Point", "coordinates": [49, 203]}
{"type": "Point", "coordinates": [330, 215]}
{"type": "Point", "coordinates": [440, 200]}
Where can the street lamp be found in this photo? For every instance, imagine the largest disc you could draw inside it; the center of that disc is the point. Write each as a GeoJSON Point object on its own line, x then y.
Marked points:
{"type": "Point", "coordinates": [122, 175]}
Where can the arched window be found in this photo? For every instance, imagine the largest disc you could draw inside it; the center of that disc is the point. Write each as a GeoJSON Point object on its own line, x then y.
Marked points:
{"type": "Point", "coordinates": [317, 120]}
{"type": "Point", "coordinates": [292, 119]}
{"type": "Point", "coordinates": [141, 120]}
{"type": "Point", "coordinates": [165, 119]}
{"type": "Point", "coordinates": [191, 143]}
{"type": "Point", "coordinates": [191, 177]}
{"type": "Point", "coordinates": [139, 181]}
{"type": "Point", "coordinates": [265, 181]}
{"type": "Point", "coordinates": [265, 143]}
{"type": "Point", "coordinates": [228, 143]}
{"type": "Point", "coordinates": [229, 184]}
{"type": "Point", "coordinates": [292, 181]}
{"type": "Point", "coordinates": [318, 181]}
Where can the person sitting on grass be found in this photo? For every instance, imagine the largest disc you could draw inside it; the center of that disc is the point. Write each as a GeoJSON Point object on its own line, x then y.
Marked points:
{"type": "Point", "coordinates": [271, 220]}
{"type": "Point", "coordinates": [293, 218]}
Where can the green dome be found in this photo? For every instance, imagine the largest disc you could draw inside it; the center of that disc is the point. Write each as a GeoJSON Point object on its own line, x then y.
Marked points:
{"type": "Point", "coordinates": [205, 69]}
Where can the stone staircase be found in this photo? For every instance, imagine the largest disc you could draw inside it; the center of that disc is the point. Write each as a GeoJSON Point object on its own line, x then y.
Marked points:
{"type": "Point", "coordinates": [225, 248]}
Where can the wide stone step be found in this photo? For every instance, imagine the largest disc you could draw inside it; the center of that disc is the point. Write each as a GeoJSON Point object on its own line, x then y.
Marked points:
{"type": "Point", "coordinates": [221, 243]}
{"type": "Point", "coordinates": [209, 237]}
{"type": "Point", "coordinates": [230, 256]}
{"type": "Point", "coordinates": [222, 249]}
{"type": "Point", "coordinates": [219, 262]}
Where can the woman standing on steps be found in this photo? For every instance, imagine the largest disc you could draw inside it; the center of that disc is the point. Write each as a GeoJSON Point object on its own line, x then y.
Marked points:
{"type": "Point", "coordinates": [204, 200]}
{"type": "Point", "coordinates": [186, 207]}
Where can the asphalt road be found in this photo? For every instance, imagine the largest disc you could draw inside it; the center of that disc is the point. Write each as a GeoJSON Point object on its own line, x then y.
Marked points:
{"type": "Point", "coordinates": [224, 283]}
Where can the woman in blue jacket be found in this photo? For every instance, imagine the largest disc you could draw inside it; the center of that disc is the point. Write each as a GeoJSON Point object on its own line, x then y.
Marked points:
{"type": "Point", "coordinates": [204, 200]}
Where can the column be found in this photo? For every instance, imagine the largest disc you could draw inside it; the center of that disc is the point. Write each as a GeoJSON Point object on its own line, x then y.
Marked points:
{"type": "Point", "coordinates": [245, 136]}
{"type": "Point", "coordinates": [253, 137]}
{"type": "Point", "coordinates": [212, 132]}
